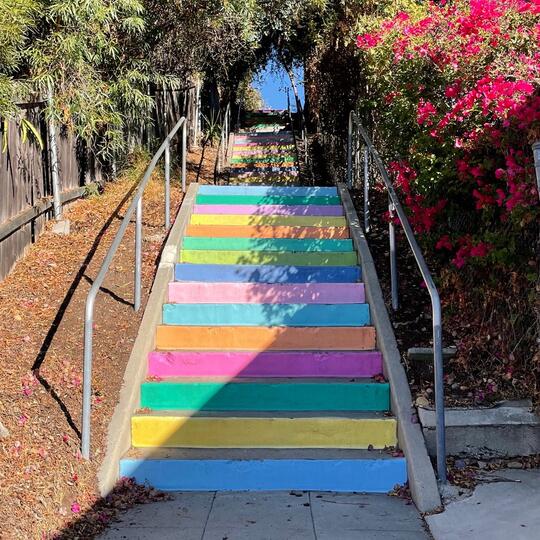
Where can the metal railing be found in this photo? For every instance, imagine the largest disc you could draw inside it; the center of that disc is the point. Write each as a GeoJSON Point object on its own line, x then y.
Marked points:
{"type": "Point", "coordinates": [357, 132]}
{"type": "Point", "coordinates": [135, 206]}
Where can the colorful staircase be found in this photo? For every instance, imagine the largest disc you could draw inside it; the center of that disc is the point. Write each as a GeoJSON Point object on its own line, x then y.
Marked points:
{"type": "Point", "coordinates": [265, 373]}
{"type": "Point", "coordinates": [264, 152]}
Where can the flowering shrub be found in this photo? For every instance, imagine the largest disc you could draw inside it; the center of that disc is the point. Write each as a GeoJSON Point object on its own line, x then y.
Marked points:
{"type": "Point", "coordinates": [455, 90]}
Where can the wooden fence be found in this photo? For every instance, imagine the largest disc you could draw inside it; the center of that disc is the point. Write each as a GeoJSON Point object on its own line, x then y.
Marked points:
{"type": "Point", "coordinates": [25, 169]}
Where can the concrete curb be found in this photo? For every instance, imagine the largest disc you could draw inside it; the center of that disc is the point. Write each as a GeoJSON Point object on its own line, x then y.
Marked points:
{"type": "Point", "coordinates": [422, 481]}
{"type": "Point", "coordinates": [119, 434]}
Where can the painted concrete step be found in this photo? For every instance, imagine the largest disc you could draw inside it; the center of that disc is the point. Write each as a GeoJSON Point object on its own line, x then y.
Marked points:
{"type": "Point", "coordinates": [266, 231]}
{"type": "Point", "coordinates": [265, 470]}
{"type": "Point", "coordinates": [267, 200]}
{"type": "Point", "coordinates": [208, 189]}
{"type": "Point", "coordinates": [266, 244]}
{"type": "Point", "coordinates": [338, 258]}
{"type": "Point", "coordinates": [267, 175]}
{"type": "Point", "coordinates": [301, 315]}
{"type": "Point", "coordinates": [220, 273]}
{"type": "Point", "coordinates": [273, 430]}
{"type": "Point", "coordinates": [290, 221]}
{"type": "Point", "coordinates": [263, 166]}
{"type": "Point", "coordinates": [269, 209]}
{"type": "Point", "coordinates": [250, 148]}
{"type": "Point", "coordinates": [266, 293]}
{"type": "Point", "coordinates": [265, 395]}
{"type": "Point", "coordinates": [260, 338]}
{"type": "Point", "coordinates": [166, 364]}
{"type": "Point", "coordinates": [282, 158]}
{"type": "Point", "coordinates": [287, 170]}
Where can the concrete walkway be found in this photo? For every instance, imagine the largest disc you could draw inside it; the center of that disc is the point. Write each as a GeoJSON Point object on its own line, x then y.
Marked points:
{"type": "Point", "coordinates": [271, 516]}
{"type": "Point", "coordinates": [506, 508]}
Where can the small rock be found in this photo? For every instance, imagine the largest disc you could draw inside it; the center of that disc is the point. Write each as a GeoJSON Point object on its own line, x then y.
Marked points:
{"type": "Point", "coordinates": [421, 401]}
{"type": "Point", "coordinates": [3, 431]}
{"type": "Point", "coordinates": [459, 464]}
{"type": "Point", "coordinates": [482, 464]}
{"type": "Point", "coordinates": [515, 465]}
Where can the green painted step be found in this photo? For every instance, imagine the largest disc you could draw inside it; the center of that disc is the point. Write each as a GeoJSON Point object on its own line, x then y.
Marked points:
{"type": "Point", "coordinates": [279, 158]}
{"type": "Point", "coordinates": [279, 395]}
{"type": "Point", "coordinates": [346, 258]}
{"type": "Point", "coordinates": [266, 199]}
{"type": "Point", "coordinates": [265, 244]}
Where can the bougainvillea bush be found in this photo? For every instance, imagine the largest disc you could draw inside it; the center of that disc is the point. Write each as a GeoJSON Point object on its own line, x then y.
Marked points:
{"type": "Point", "coordinates": [454, 102]}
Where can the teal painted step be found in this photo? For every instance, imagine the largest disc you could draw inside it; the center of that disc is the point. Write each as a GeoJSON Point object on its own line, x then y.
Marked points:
{"type": "Point", "coordinates": [302, 258]}
{"type": "Point", "coordinates": [265, 244]}
{"type": "Point", "coordinates": [266, 199]}
{"type": "Point", "coordinates": [266, 314]}
{"type": "Point", "coordinates": [281, 395]}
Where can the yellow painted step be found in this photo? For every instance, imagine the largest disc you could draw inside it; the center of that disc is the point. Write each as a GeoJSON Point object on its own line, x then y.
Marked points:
{"type": "Point", "coordinates": [262, 432]}
{"type": "Point", "coordinates": [295, 221]}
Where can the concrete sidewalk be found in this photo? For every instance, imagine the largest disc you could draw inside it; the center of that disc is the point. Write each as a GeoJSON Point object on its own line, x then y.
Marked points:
{"type": "Point", "coordinates": [272, 516]}
{"type": "Point", "coordinates": [508, 507]}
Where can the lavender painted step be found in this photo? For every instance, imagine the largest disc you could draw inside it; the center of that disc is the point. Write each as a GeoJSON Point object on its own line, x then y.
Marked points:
{"type": "Point", "coordinates": [267, 293]}
{"type": "Point", "coordinates": [269, 209]}
{"type": "Point", "coordinates": [264, 364]}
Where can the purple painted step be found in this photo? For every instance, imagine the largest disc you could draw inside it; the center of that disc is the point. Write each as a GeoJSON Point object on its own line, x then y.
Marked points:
{"type": "Point", "coordinates": [266, 293]}
{"type": "Point", "coordinates": [269, 209]}
{"type": "Point", "coordinates": [239, 364]}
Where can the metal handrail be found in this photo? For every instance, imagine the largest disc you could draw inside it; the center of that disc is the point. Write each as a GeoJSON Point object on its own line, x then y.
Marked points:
{"type": "Point", "coordinates": [135, 206]}
{"type": "Point", "coordinates": [394, 206]}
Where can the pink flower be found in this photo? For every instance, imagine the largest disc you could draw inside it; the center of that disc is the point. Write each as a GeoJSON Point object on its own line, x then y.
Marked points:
{"type": "Point", "coordinates": [75, 507]}
{"type": "Point", "coordinates": [444, 243]}
{"type": "Point", "coordinates": [426, 111]}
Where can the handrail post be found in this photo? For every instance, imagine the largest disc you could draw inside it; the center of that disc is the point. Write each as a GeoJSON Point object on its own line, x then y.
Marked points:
{"type": "Point", "coordinates": [184, 147]}
{"type": "Point", "coordinates": [138, 255]}
{"type": "Point", "coordinates": [349, 150]}
{"type": "Point", "coordinates": [439, 386]}
{"type": "Point", "coordinates": [366, 189]}
{"type": "Point", "coordinates": [87, 377]}
{"type": "Point", "coordinates": [393, 258]}
{"type": "Point", "coordinates": [167, 185]}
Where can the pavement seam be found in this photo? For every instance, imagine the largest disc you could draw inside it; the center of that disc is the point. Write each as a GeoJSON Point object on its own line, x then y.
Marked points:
{"type": "Point", "coordinates": [311, 513]}
{"type": "Point", "coordinates": [208, 516]}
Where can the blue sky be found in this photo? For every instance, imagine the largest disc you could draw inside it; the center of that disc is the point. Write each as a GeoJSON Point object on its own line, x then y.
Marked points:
{"type": "Point", "coordinates": [273, 82]}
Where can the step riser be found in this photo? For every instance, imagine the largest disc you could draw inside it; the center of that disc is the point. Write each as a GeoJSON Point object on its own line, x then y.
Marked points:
{"type": "Point", "coordinates": [347, 258]}
{"type": "Point", "coordinates": [267, 200]}
{"type": "Point", "coordinates": [347, 475]}
{"type": "Point", "coordinates": [269, 210]}
{"type": "Point", "coordinates": [251, 315]}
{"type": "Point", "coordinates": [291, 221]}
{"type": "Point", "coordinates": [248, 432]}
{"type": "Point", "coordinates": [261, 171]}
{"type": "Point", "coordinates": [263, 153]}
{"type": "Point", "coordinates": [265, 364]}
{"type": "Point", "coordinates": [269, 274]}
{"type": "Point", "coordinates": [239, 293]}
{"type": "Point", "coordinates": [260, 396]}
{"type": "Point", "coordinates": [211, 338]}
{"type": "Point", "coordinates": [272, 191]}
{"type": "Point", "coordinates": [281, 245]}
{"type": "Point", "coordinates": [279, 160]}
{"type": "Point", "coordinates": [266, 231]}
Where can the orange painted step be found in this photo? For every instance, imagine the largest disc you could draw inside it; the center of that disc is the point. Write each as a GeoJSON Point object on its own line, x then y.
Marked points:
{"type": "Point", "coordinates": [262, 338]}
{"type": "Point", "coordinates": [265, 231]}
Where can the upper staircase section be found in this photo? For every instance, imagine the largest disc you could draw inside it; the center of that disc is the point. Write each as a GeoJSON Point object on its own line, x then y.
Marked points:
{"type": "Point", "coordinates": [264, 151]}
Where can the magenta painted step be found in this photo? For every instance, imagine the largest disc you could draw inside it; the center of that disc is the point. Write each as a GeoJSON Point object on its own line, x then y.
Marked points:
{"type": "Point", "coordinates": [266, 293]}
{"type": "Point", "coordinates": [264, 364]}
{"type": "Point", "coordinates": [269, 209]}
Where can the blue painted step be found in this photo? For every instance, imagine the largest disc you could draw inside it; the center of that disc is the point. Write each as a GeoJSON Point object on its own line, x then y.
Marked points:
{"type": "Point", "coordinates": [280, 191]}
{"type": "Point", "coordinates": [266, 314]}
{"type": "Point", "coordinates": [240, 273]}
{"type": "Point", "coordinates": [249, 474]}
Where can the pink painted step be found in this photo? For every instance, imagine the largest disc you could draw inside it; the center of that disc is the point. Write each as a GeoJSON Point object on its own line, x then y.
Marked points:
{"type": "Point", "coordinates": [264, 364]}
{"type": "Point", "coordinates": [269, 209]}
{"type": "Point", "coordinates": [266, 293]}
